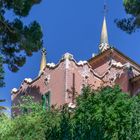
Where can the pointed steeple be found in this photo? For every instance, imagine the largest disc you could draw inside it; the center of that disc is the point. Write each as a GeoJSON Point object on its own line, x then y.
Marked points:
{"type": "Point", "coordinates": [104, 45]}
{"type": "Point", "coordinates": [104, 33]}
{"type": "Point", "coordinates": [43, 61]}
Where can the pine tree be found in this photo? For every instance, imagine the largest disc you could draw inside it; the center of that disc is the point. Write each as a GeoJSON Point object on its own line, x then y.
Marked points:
{"type": "Point", "coordinates": [1, 73]}
{"type": "Point", "coordinates": [132, 8]}
{"type": "Point", "coordinates": [17, 41]}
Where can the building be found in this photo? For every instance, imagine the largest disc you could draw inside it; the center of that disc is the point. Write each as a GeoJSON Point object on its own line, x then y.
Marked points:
{"type": "Point", "coordinates": [57, 84]}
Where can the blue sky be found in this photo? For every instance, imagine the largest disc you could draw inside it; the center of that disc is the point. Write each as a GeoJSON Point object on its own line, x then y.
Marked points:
{"type": "Point", "coordinates": [72, 26]}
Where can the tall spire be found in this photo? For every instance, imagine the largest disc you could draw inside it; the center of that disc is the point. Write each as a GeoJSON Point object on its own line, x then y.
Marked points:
{"type": "Point", "coordinates": [43, 61]}
{"type": "Point", "coordinates": [104, 33]}
{"type": "Point", "coordinates": [104, 45]}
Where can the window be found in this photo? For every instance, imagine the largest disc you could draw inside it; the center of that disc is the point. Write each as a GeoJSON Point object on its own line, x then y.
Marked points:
{"type": "Point", "coordinates": [46, 100]}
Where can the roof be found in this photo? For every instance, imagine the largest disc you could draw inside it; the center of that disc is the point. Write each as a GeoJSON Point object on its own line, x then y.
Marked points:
{"type": "Point", "coordinates": [136, 78]}
{"type": "Point", "coordinates": [110, 51]}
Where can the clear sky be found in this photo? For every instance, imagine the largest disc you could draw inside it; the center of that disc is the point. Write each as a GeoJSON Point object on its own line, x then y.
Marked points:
{"type": "Point", "coordinates": [72, 26]}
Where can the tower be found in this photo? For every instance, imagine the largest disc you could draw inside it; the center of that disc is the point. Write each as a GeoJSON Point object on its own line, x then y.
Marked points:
{"type": "Point", "coordinates": [104, 45]}
{"type": "Point", "coordinates": [43, 61]}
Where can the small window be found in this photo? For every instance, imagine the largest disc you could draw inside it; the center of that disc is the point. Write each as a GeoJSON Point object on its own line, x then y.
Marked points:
{"type": "Point", "coordinates": [46, 100]}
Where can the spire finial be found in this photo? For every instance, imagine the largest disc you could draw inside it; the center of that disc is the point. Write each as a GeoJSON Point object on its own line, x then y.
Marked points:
{"type": "Point", "coordinates": [105, 8]}
{"type": "Point", "coordinates": [43, 61]}
{"type": "Point", "coordinates": [104, 45]}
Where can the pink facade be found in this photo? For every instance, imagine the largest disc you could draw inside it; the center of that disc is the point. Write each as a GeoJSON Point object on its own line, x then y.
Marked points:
{"type": "Point", "coordinates": [59, 80]}
{"type": "Point", "coordinates": [106, 69]}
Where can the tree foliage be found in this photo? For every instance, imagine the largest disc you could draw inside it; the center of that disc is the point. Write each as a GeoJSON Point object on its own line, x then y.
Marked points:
{"type": "Point", "coordinates": [1, 73]}
{"type": "Point", "coordinates": [129, 25]}
{"type": "Point", "coordinates": [107, 114]}
{"type": "Point", "coordinates": [2, 108]}
{"type": "Point", "coordinates": [17, 41]}
{"type": "Point", "coordinates": [1, 83]}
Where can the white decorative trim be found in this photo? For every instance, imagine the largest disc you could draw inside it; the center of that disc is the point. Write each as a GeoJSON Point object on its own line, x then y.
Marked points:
{"type": "Point", "coordinates": [85, 72]}
{"type": "Point", "coordinates": [51, 65]}
{"type": "Point", "coordinates": [67, 56]}
{"type": "Point", "coordinates": [14, 90]}
{"type": "Point", "coordinates": [117, 64]}
{"type": "Point", "coordinates": [127, 65]}
{"type": "Point", "coordinates": [28, 80]}
{"type": "Point", "coordinates": [71, 105]}
{"type": "Point", "coordinates": [82, 62]}
{"type": "Point", "coordinates": [103, 47]}
{"type": "Point", "coordinates": [67, 63]}
{"type": "Point", "coordinates": [47, 79]}
{"type": "Point", "coordinates": [93, 55]}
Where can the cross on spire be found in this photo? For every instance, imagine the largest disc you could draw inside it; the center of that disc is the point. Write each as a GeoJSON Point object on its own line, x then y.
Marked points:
{"type": "Point", "coordinates": [105, 8]}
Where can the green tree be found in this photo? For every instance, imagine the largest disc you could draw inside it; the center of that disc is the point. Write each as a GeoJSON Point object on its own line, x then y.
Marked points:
{"type": "Point", "coordinates": [106, 114]}
{"type": "Point", "coordinates": [136, 118]}
{"type": "Point", "coordinates": [17, 41]}
{"type": "Point", "coordinates": [33, 124]}
{"type": "Point", "coordinates": [129, 25]}
{"type": "Point", "coordinates": [2, 108]}
{"type": "Point", "coordinates": [1, 73]}
{"type": "Point", "coordinates": [1, 84]}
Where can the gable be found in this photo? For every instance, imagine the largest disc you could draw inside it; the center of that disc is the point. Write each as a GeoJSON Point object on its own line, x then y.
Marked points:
{"type": "Point", "coordinates": [100, 63]}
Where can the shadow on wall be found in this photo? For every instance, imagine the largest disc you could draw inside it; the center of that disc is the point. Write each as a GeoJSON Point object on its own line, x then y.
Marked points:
{"type": "Point", "coordinates": [33, 91]}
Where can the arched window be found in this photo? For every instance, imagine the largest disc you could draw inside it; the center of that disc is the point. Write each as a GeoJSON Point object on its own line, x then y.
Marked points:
{"type": "Point", "coordinates": [46, 100]}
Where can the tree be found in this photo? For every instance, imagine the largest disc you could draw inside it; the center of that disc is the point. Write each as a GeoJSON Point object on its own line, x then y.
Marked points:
{"type": "Point", "coordinates": [129, 25]}
{"type": "Point", "coordinates": [1, 73]}
{"type": "Point", "coordinates": [106, 114]}
{"type": "Point", "coordinates": [1, 83]}
{"type": "Point", "coordinates": [17, 41]}
{"type": "Point", "coordinates": [32, 123]}
{"type": "Point", "coordinates": [2, 108]}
